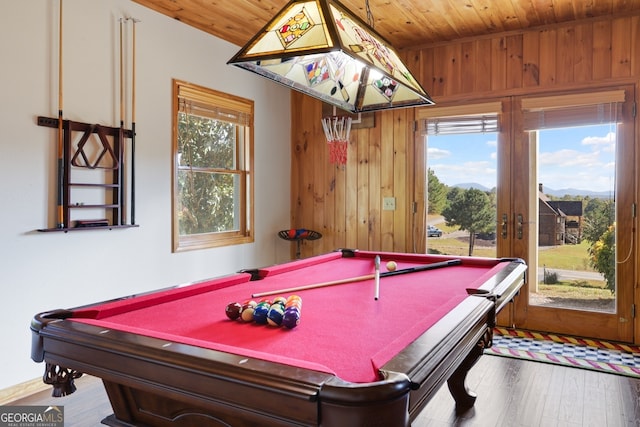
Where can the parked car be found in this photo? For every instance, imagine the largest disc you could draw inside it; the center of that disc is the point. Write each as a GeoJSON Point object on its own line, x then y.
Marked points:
{"type": "Point", "coordinates": [488, 235]}
{"type": "Point", "coordinates": [433, 231]}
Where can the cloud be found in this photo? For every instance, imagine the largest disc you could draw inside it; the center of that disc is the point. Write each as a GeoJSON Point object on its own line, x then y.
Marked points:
{"type": "Point", "coordinates": [578, 178]}
{"type": "Point", "coordinates": [437, 153]}
{"type": "Point", "coordinates": [608, 140]}
{"type": "Point", "coordinates": [568, 158]}
{"type": "Point", "coordinates": [481, 172]}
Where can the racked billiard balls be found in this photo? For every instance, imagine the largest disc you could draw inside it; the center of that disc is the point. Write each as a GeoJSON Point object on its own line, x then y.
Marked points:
{"type": "Point", "coordinates": [233, 310]}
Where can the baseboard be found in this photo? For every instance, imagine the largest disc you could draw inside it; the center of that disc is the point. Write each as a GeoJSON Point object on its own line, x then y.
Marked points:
{"type": "Point", "coordinates": [22, 390]}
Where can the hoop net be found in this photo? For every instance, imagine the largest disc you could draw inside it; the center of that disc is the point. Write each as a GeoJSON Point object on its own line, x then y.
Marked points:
{"type": "Point", "coordinates": [337, 130]}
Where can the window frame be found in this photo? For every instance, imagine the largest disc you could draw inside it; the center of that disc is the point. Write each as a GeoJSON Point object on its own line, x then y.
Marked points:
{"type": "Point", "coordinates": [229, 108]}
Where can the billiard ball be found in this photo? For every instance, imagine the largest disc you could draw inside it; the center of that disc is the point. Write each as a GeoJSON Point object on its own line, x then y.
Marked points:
{"type": "Point", "coordinates": [293, 300]}
{"type": "Point", "coordinates": [291, 318]}
{"type": "Point", "coordinates": [294, 303]}
{"type": "Point", "coordinates": [274, 315]}
{"type": "Point", "coordinates": [247, 312]}
{"type": "Point", "coordinates": [391, 266]}
{"type": "Point", "coordinates": [233, 310]}
{"type": "Point", "coordinates": [282, 300]}
{"type": "Point", "coordinates": [260, 313]}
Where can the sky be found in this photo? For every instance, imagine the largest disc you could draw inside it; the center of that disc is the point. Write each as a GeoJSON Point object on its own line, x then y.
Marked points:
{"type": "Point", "coordinates": [579, 157]}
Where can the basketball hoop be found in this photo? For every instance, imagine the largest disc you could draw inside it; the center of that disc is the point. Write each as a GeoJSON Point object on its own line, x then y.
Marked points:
{"type": "Point", "coordinates": [336, 130]}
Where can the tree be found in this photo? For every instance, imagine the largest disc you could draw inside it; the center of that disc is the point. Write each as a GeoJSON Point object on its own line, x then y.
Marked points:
{"type": "Point", "coordinates": [437, 193]}
{"type": "Point", "coordinates": [603, 257]}
{"type": "Point", "coordinates": [600, 231]}
{"type": "Point", "coordinates": [206, 148]}
{"type": "Point", "coordinates": [598, 217]}
{"type": "Point", "coordinates": [470, 210]}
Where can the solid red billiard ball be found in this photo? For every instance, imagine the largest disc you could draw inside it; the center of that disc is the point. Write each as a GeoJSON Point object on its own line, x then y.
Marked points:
{"type": "Point", "coordinates": [233, 310]}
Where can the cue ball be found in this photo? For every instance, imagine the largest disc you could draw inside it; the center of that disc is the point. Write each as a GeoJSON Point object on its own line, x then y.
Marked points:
{"type": "Point", "coordinates": [391, 266]}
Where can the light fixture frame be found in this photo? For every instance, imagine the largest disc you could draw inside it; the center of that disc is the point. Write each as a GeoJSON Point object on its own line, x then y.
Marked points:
{"type": "Point", "coordinates": [322, 69]}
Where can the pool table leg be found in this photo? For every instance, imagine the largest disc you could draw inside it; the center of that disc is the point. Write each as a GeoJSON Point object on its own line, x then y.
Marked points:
{"type": "Point", "coordinates": [464, 397]}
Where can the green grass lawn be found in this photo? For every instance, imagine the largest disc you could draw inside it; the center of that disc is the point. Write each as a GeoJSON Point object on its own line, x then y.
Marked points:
{"type": "Point", "coordinates": [566, 257]}
{"type": "Point", "coordinates": [459, 247]}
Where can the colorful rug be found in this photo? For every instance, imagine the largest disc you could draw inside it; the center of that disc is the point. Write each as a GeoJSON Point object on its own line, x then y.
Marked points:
{"type": "Point", "coordinates": [602, 356]}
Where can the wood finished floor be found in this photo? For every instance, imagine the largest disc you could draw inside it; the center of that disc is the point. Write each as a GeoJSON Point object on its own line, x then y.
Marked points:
{"type": "Point", "coordinates": [510, 393]}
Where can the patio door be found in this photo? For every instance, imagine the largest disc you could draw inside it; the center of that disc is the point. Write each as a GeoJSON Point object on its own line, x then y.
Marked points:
{"type": "Point", "coordinates": [573, 212]}
{"type": "Point", "coordinates": [463, 150]}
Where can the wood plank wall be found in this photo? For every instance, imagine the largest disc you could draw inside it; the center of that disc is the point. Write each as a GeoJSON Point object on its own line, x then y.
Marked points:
{"type": "Point", "coordinates": [594, 51]}
{"type": "Point", "coordinates": [345, 204]}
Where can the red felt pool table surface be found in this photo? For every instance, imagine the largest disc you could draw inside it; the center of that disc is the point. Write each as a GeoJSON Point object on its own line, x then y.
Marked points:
{"type": "Point", "coordinates": [343, 330]}
{"type": "Point", "coordinates": [172, 357]}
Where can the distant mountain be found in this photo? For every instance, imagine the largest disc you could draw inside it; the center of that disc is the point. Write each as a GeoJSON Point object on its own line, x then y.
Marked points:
{"type": "Point", "coordinates": [468, 185]}
{"type": "Point", "coordinates": [549, 191]}
{"type": "Point", "coordinates": [576, 192]}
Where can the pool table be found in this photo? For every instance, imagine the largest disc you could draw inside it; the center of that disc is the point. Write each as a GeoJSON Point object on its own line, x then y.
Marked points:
{"type": "Point", "coordinates": [173, 357]}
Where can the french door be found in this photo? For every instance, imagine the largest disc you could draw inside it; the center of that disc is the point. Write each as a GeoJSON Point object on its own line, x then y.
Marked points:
{"type": "Point", "coordinates": [546, 143]}
{"type": "Point", "coordinates": [562, 138]}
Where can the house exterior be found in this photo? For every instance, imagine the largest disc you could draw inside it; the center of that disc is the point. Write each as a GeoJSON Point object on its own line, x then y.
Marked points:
{"type": "Point", "coordinates": [551, 224]}
{"type": "Point", "coordinates": [572, 210]}
{"type": "Point", "coordinates": [559, 221]}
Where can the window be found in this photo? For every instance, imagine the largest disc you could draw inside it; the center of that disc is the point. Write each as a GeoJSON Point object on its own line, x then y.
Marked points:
{"type": "Point", "coordinates": [212, 168]}
{"type": "Point", "coordinates": [461, 145]}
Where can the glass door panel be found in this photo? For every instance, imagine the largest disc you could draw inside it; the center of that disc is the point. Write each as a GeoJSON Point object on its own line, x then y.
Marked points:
{"type": "Point", "coordinates": [462, 182]}
{"type": "Point", "coordinates": [576, 218]}
{"type": "Point", "coordinates": [574, 156]}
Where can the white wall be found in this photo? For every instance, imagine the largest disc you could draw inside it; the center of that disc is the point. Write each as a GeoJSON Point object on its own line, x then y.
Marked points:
{"type": "Point", "coordinates": [42, 271]}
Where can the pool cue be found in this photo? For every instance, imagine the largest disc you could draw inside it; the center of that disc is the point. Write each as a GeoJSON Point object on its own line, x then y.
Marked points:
{"type": "Point", "coordinates": [121, 77]}
{"type": "Point", "coordinates": [122, 150]}
{"type": "Point", "coordinates": [60, 181]}
{"type": "Point", "coordinates": [315, 285]}
{"type": "Point", "coordinates": [425, 267]}
{"type": "Point", "coordinates": [133, 123]}
{"type": "Point", "coordinates": [377, 277]}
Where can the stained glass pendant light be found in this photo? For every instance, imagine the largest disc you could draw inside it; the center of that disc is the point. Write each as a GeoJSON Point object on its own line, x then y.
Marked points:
{"type": "Point", "coordinates": [320, 48]}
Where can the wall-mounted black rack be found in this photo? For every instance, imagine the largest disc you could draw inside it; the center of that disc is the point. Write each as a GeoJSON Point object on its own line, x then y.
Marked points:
{"type": "Point", "coordinates": [100, 149]}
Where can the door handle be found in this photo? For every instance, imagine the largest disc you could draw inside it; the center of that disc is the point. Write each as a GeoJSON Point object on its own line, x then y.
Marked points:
{"type": "Point", "coordinates": [519, 226]}
{"type": "Point", "coordinates": [504, 225]}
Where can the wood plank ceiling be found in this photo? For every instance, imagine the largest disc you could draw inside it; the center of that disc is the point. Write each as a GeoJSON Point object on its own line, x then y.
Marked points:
{"type": "Point", "coordinates": [404, 23]}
